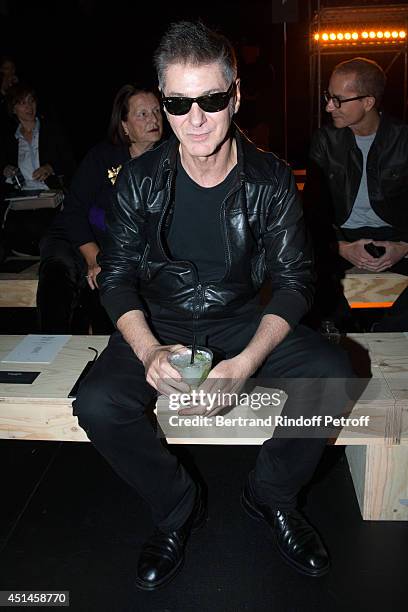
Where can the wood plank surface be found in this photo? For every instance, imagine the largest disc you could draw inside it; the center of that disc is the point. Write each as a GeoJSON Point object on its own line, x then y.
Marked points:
{"type": "Point", "coordinates": [42, 410]}
{"type": "Point", "coordinates": [19, 289]}
{"type": "Point", "coordinates": [380, 481]}
{"type": "Point", "coordinates": [364, 289]}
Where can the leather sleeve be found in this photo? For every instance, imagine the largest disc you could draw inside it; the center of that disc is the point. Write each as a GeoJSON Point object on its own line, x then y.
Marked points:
{"type": "Point", "coordinates": [289, 259]}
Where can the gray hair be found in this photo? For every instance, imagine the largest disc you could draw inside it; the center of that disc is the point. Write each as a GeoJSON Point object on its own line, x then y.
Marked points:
{"type": "Point", "coordinates": [187, 42]}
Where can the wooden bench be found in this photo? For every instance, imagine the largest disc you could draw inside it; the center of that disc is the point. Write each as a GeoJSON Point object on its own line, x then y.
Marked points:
{"type": "Point", "coordinates": [19, 289]}
{"type": "Point", "coordinates": [377, 455]}
{"type": "Point", "coordinates": [365, 289]}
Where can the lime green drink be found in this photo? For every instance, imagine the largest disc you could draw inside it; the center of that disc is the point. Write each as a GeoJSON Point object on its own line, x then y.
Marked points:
{"type": "Point", "coordinates": [193, 373]}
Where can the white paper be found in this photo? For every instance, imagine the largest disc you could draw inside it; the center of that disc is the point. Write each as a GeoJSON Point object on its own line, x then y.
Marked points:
{"type": "Point", "coordinates": [36, 348]}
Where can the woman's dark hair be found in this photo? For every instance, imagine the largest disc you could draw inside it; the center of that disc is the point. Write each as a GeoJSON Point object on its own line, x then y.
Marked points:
{"type": "Point", "coordinates": [189, 42]}
{"type": "Point", "coordinates": [17, 93]}
{"type": "Point", "coordinates": [120, 112]}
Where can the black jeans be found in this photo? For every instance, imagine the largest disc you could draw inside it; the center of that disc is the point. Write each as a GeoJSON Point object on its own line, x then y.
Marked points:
{"type": "Point", "coordinates": [111, 407]}
{"type": "Point", "coordinates": [62, 287]}
{"type": "Point", "coordinates": [61, 276]}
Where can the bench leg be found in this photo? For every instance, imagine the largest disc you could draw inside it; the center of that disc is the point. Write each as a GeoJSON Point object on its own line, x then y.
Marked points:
{"type": "Point", "coordinates": [380, 480]}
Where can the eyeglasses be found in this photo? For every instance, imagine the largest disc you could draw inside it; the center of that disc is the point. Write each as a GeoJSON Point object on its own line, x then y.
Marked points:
{"type": "Point", "coordinates": [211, 103]}
{"type": "Point", "coordinates": [337, 101]}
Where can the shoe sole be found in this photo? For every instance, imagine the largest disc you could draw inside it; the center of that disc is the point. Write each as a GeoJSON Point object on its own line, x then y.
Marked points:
{"type": "Point", "coordinates": [258, 516]}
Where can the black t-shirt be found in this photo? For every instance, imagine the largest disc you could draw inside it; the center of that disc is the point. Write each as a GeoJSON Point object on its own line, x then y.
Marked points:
{"type": "Point", "coordinates": [196, 229]}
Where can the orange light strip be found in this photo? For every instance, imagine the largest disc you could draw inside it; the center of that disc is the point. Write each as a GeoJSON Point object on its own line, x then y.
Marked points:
{"type": "Point", "coordinates": [371, 304]}
{"type": "Point", "coordinates": [363, 36]}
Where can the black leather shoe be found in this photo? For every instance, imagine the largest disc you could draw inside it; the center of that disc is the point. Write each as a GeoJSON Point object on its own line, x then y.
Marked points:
{"type": "Point", "coordinates": [162, 555]}
{"type": "Point", "coordinates": [297, 541]}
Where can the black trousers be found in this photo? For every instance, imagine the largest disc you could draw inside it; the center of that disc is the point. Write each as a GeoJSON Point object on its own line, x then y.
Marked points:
{"type": "Point", "coordinates": [24, 229]}
{"type": "Point", "coordinates": [62, 288]}
{"type": "Point", "coordinates": [61, 277]}
{"type": "Point", "coordinates": [112, 401]}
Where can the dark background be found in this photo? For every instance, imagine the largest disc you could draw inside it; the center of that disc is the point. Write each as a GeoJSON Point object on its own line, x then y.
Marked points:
{"type": "Point", "coordinates": [78, 53]}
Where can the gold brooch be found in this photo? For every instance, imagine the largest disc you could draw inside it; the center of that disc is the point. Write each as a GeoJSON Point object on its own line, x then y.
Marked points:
{"type": "Point", "coordinates": [113, 173]}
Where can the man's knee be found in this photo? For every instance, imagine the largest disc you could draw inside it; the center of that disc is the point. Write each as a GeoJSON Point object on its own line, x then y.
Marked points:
{"type": "Point", "coordinates": [55, 267]}
{"type": "Point", "coordinates": [100, 405]}
{"type": "Point", "coordinates": [92, 406]}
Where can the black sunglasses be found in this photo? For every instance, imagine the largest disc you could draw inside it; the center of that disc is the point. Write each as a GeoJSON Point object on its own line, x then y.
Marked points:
{"type": "Point", "coordinates": [211, 103]}
{"type": "Point", "coordinates": [338, 102]}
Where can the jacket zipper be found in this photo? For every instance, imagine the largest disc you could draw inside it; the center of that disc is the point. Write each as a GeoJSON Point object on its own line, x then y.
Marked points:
{"type": "Point", "coordinates": [198, 306]}
{"type": "Point", "coordinates": [199, 287]}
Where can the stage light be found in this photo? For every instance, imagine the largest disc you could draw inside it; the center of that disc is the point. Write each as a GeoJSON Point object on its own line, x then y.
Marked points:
{"type": "Point", "coordinates": [355, 30]}
{"type": "Point", "coordinates": [361, 37]}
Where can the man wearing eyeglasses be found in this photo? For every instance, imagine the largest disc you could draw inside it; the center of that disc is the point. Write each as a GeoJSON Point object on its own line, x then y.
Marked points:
{"type": "Point", "coordinates": [197, 226]}
{"type": "Point", "coordinates": [357, 187]}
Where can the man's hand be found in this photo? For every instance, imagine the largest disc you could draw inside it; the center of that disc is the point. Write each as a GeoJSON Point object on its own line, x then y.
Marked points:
{"type": "Point", "coordinates": [159, 373]}
{"type": "Point", "coordinates": [356, 254]}
{"type": "Point", "coordinates": [394, 252]}
{"type": "Point", "coordinates": [228, 377]}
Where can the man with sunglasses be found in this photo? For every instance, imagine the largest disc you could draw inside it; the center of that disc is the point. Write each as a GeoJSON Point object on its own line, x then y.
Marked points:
{"type": "Point", "coordinates": [357, 190]}
{"type": "Point", "coordinates": [197, 226]}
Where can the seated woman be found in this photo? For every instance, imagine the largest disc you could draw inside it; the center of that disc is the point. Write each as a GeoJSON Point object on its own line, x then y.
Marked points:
{"type": "Point", "coordinates": [68, 252]}
{"type": "Point", "coordinates": [34, 155]}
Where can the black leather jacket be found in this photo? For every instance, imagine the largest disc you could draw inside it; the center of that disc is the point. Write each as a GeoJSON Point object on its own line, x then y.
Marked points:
{"type": "Point", "coordinates": [264, 237]}
{"type": "Point", "coordinates": [336, 165]}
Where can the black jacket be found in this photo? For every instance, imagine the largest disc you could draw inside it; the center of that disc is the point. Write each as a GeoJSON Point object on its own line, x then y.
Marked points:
{"type": "Point", "coordinates": [335, 169]}
{"type": "Point", "coordinates": [264, 237]}
{"type": "Point", "coordinates": [91, 193]}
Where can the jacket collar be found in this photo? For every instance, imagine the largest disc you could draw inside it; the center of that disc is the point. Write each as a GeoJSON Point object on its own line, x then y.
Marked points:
{"type": "Point", "coordinates": [386, 122]}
